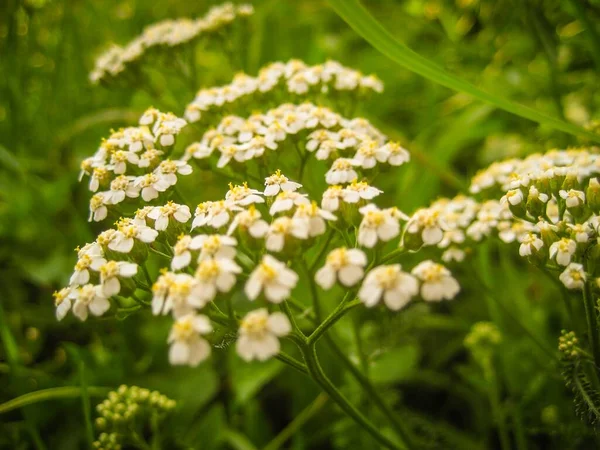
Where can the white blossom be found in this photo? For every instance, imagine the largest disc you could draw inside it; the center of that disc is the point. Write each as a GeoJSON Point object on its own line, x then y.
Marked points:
{"type": "Point", "coordinates": [111, 272]}
{"type": "Point", "coordinates": [214, 275]}
{"type": "Point", "coordinates": [563, 250]}
{"type": "Point", "coordinates": [89, 298]}
{"type": "Point", "coordinates": [573, 277]}
{"type": "Point", "coordinates": [377, 225]}
{"type": "Point", "coordinates": [437, 282]}
{"type": "Point", "coordinates": [396, 287]}
{"type": "Point", "coordinates": [341, 172]}
{"type": "Point", "coordinates": [272, 277]}
{"type": "Point", "coordinates": [279, 182]}
{"type": "Point", "coordinates": [344, 264]}
{"type": "Point", "coordinates": [163, 214]}
{"type": "Point", "coordinates": [187, 345]}
{"type": "Point", "coordinates": [259, 334]}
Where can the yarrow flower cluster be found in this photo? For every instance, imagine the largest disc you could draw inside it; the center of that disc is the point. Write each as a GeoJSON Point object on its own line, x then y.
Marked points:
{"type": "Point", "coordinates": [263, 240]}
{"type": "Point", "coordinates": [166, 34]}
{"type": "Point", "coordinates": [293, 77]}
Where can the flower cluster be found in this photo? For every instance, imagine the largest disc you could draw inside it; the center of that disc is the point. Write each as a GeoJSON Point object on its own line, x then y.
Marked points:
{"type": "Point", "coordinates": [126, 408]}
{"type": "Point", "coordinates": [165, 34]}
{"type": "Point", "coordinates": [129, 164]}
{"type": "Point", "coordinates": [293, 77]}
{"type": "Point", "coordinates": [353, 145]}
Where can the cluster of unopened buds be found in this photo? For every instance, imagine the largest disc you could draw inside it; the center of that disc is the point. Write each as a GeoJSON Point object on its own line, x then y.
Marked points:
{"type": "Point", "coordinates": [165, 34]}
{"type": "Point", "coordinates": [126, 412]}
{"type": "Point", "coordinates": [293, 77]}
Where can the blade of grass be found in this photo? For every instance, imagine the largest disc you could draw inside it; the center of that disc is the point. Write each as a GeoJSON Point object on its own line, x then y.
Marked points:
{"type": "Point", "coordinates": [51, 394]}
{"type": "Point", "coordinates": [373, 32]}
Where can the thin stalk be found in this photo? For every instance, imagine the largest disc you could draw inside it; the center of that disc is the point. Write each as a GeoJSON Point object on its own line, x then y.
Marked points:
{"type": "Point", "coordinates": [322, 251]}
{"type": "Point", "coordinates": [330, 320]}
{"type": "Point", "coordinates": [592, 323]}
{"type": "Point", "coordinates": [315, 370]}
{"type": "Point", "coordinates": [495, 403]}
{"type": "Point", "coordinates": [292, 362]}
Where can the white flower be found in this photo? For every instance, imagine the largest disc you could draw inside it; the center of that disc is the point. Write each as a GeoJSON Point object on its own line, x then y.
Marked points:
{"type": "Point", "coordinates": [62, 302]}
{"type": "Point", "coordinates": [437, 282]}
{"type": "Point", "coordinates": [341, 172]}
{"type": "Point", "coordinates": [377, 225]}
{"type": "Point", "coordinates": [278, 182]}
{"type": "Point", "coordinates": [121, 187]}
{"type": "Point", "coordinates": [89, 298]}
{"type": "Point", "coordinates": [272, 277]}
{"type": "Point", "coordinates": [282, 229]}
{"type": "Point", "coordinates": [580, 232]}
{"type": "Point", "coordinates": [98, 209]}
{"type": "Point", "coordinates": [162, 215]}
{"type": "Point", "coordinates": [166, 127]}
{"type": "Point", "coordinates": [259, 333]}
{"type": "Point", "coordinates": [428, 224]}
{"type": "Point", "coordinates": [119, 160]}
{"type": "Point", "coordinates": [530, 242]}
{"type": "Point", "coordinates": [111, 271]}
{"type": "Point", "coordinates": [214, 246]}
{"type": "Point", "coordinates": [356, 191]}
{"type": "Point", "coordinates": [393, 154]}
{"type": "Point", "coordinates": [347, 265]}
{"type": "Point", "coordinates": [168, 169]}
{"type": "Point", "coordinates": [366, 154]}
{"type": "Point", "coordinates": [573, 277]}
{"type": "Point", "coordinates": [243, 195]}
{"type": "Point", "coordinates": [395, 286]}
{"type": "Point", "coordinates": [100, 176]}
{"type": "Point", "coordinates": [181, 294]}
{"type": "Point", "coordinates": [514, 197]}
{"type": "Point", "coordinates": [151, 185]}
{"type": "Point", "coordinates": [331, 198]}
{"type": "Point", "coordinates": [314, 217]}
{"type": "Point", "coordinates": [214, 275]}
{"type": "Point", "coordinates": [573, 198]}
{"type": "Point", "coordinates": [127, 231]}
{"type": "Point", "coordinates": [563, 250]}
{"type": "Point", "coordinates": [160, 290]}
{"type": "Point", "coordinates": [214, 214]}
{"type": "Point", "coordinates": [187, 345]}
{"type": "Point", "coordinates": [453, 254]}
{"type": "Point", "coordinates": [286, 200]}
{"type": "Point", "coordinates": [256, 146]}
{"type": "Point", "coordinates": [229, 152]}
{"type": "Point", "coordinates": [249, 220]}
{"type": "Point", "coordinates": [81, 274]}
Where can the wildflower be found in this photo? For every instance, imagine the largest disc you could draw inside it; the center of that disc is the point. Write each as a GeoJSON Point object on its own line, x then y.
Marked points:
{"type": "Point", "coordinates": [187, 345]}
{"type": "Point", "coordinates": [167, 170]}
{"type": "Point", "coordinates": [376, 225]}
{"type": "Point", "coordinates": [166, 127]}
{"type": "Point", "coordinates": [530, 244]}
{"type": "Point", "coordinates": [111, 272]}
{"type": "Point", "coordinates": [393, 154]}
{"type": "Point", "coordinates": [127, 231]}
{"type": "Point", "coordinates": [100, 177]}
{"type": "Point", "coordinates": [427, 224]}
{"type": "Point", "coordinates": [160, 291]}
{"type": "Point", "coordinates": [341, 172]}
{"type": "Point", "coordinates": [279, 182]}
{"type": "Point", "coordinates": [151, 186]}
{"type": "Point", "coordinates": [573, 198]}
{"type": "Point", "coordinates": [250, 221]}
{"type": "Point", "coordinates": [281, 229]}
{"type": "Point", "coordinates": [286, 200]}
{"type": "Point", "coordinates": [89, 298]}
{"type": "Point", "coordinates": [62, 302]}
{"type": "Point", "coordinates": [437, 282]}
{"type": "Point", "coordinates": [98, 209]}
{"type": "Point", "coordinates": [182, 295]}
{"type": "Point", "coordinates": [331, 198]}
{"type": "Point", "coordinates": [357, 191]}
{"type": "Point", "coordinates": [119, 160]}
{"type": "Point", "coordinates": [396, 287]}
{"type": "Point", "coordinates": [272, 277]}
{"type": "Point", "coordinates": [214, 275]}
{"type": "Point", "coordinates": [81, 274]}
{"type": "Point", "coordinates": [243, 195]}
{"type": "Point", "coordinates": [214, 246]}
{"type": "Point", "coordinates": [121, 187]}
{"type": "Point", "coordinates": [162, 215]}
{"type": "Point", "coordinates": [563, 250]}
{"type": "Point", "coordinates": [366, 154]}
{"type": "Point", "coordinates": [453, 254]}
{"type": "Point", "coordinates": [580, 232]}
{"type": "Point", "coordinates": [259, 333]}
{"type": "Point", "coordinates": [573, 277]}
{"type": "Point", "coordinates": [345, 264]}
{"type": "Point", "coordinates": [513, 197]}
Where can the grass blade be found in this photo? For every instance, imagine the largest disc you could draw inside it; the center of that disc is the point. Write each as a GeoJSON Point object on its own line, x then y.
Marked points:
{"type": "Point", "coordinates": [373, 32]}
{"type": "Point", "coordinates": [51, 394]}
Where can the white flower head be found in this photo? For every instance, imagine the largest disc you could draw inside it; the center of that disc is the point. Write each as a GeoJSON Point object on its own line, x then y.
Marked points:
{"type": "Point", "coordinates": [427, 223]}
{"type": "Point", "coordinates": [162, 215]}
{"type": "Point", "coordinates": [437, 282]}
{"type": "Point", "coordinates": [530, 243]}
{"type": "Point", "coordinates": [187, 345]}
{"type": "Point", "coordinates": [282, 230]}
{"type": "Point", "coordinates": [62, 302]}
{"type": "Point", "coordinates": [279, 182]}
{"type": "Point", "coordinates": [127, 232]}
{"type": "Point", "coordinates": [89, 298]}
{"type": "Point", "coordinates": [274, 278]}
{"type": "Point", "coordinates": [214, 214]}
{"type": "Point", "coordinates": [573, 198]}
{"type": "Point", "coordinates": [86, 261]}
{"type": "Point", "coordinates": [573, 277]}
{"type": "Point", "coordinates": [242, 195]}
{"type": "Point", "coordinates": [396, 287]}
{"type": "Point", "coordinates": [286, 200]}
{"type": "Point", "coordinates": [214, 275]}
{"type": "Point", "coordinates": [357, 191]}
{"type": "Point", "coordinates": [344, 264]}
{"type": "Point", "coordinates": [259, 334]}
{"type": "Point", "coordinates": [377, 225]}
{"type": "Point", "coordinates": [331, 198]}
{"type": "Point", "coordinates": [563, 250]}
{"type": "Point", "coordinates": [151, 185]}
{"type": "Point", "coordinates": [214, 246]}
{"type": "Point", "coordinates": [98, 209]}
{"type": "Point", "coordinates": [111, 272]}
{"type": "Point", "coordinates": [393, 154]}
{"type": "Point", "coordinates": [168, 170]}
{"type": "Point", "coordinates": [341, 172]}
{"type": "Point", "coordinates": [513, 197]}
{"type": "Point", "coordinates": [250, 221]}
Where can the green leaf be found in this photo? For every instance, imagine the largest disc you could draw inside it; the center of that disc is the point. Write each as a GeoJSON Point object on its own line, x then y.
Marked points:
{"type": "Point", "coordinates": [373, 32]}
{"type": "Point", "coordinates": [51, 394]}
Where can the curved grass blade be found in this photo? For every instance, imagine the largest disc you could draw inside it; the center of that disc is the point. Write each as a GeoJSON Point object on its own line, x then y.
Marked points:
{"type": "Point", "coordinates": [51, 394]}
{"type": "Point", "coordinates": [373, 32]}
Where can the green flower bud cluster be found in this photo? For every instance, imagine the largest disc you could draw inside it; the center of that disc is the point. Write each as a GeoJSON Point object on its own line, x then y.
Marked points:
{"type": "Point", "coordinates": [568, 345]}
{"type": "Point", "coordinates": [482, 340]}
{"type": "Point", "coordinates": [126, 409]}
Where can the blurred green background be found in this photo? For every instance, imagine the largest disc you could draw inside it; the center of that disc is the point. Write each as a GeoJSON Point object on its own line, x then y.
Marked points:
{"type": "Point", "coordinates": [544, 54]}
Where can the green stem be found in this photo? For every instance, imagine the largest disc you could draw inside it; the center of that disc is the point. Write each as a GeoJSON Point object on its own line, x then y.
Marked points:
{"type": "Point", "coordinates": [292, 362]}
{"type": "Point", "coordinates": [494, 395]}
{"type": "Point", "coordinates": [315, 370]}
{"type": "Point", "coordinates": [322, 251]}
{"type": "Point", "coordinates": [335, 315]}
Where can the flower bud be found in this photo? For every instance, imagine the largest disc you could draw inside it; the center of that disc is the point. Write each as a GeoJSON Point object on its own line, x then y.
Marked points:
{"type": "Point", "coordinates": [592, 194]}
